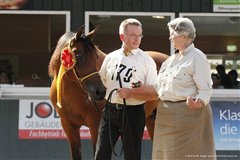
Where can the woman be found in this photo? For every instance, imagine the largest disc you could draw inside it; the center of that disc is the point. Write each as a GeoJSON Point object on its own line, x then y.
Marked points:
{"type": "Point", "coordinates": [183, 126]}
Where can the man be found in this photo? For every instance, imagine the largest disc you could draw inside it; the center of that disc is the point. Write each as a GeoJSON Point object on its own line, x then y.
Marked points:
{"type": "Point", "coordinates": [124, 115]}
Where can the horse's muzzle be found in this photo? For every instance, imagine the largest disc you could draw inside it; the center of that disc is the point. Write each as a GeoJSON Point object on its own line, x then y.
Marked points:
{"type": "Point", "coordinates": [96, 90]}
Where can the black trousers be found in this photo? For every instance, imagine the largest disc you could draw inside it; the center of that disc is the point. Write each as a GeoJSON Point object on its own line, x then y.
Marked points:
{"type": "Point", "coordinates": [126, 123]}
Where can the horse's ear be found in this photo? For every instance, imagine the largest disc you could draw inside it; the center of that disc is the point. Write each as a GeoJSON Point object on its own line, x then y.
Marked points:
{"type": "Point", "coordinates": [91, 34]}
{"type": "Point", "coordinates": [80, 32]}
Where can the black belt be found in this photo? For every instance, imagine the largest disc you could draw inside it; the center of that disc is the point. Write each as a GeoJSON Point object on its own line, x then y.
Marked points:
{"type": "Point", "coordinates": [121, 106]}
{"type": "Point", "coordinates": [175, 101]}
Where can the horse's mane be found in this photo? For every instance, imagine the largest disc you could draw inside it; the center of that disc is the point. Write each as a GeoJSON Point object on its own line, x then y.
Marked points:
{"type": "Point", "coordinates": [54, 63]}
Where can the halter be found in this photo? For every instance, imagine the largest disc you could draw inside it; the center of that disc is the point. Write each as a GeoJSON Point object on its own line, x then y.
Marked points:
{"type": "Point", "coordinates": [87, 76]}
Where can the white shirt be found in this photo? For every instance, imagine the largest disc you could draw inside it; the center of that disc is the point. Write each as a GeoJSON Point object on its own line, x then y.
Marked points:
{"type": "Point", "coordinates": [116, 61]}
{"type": "Point", "coordinates": [186, 74]}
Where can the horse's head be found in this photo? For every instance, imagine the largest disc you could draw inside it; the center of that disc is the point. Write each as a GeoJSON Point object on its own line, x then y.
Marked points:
{"type": "Point", "coordinates": [80, 55]}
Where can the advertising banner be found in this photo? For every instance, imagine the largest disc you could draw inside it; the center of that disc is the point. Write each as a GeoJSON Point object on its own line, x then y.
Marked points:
{"type": "Point", "coordinates": [39, 120]}
{"type": "Point", "coordinates": [226, 5]}
{"type": "Point", "coordinates": [226, 117]}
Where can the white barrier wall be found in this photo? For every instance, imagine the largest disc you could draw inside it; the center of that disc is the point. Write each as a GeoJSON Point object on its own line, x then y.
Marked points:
{"type": "Point", "coordinates": [35, 119]}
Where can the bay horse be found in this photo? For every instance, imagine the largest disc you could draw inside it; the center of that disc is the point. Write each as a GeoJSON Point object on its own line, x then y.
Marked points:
{"type": "Point", "coordinates": [76, 84]}
{"type": "Point", "coordinates": [76, 103]}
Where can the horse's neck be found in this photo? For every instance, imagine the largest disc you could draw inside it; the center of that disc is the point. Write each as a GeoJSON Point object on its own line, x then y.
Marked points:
{"type": "Point", "coordinates": [101, 56]}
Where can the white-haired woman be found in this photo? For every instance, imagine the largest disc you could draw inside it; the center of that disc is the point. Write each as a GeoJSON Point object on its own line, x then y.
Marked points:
{"type": "Point", "coordinates": [183, 126]}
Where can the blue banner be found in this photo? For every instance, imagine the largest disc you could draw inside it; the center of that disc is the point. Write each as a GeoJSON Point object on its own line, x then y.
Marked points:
{"type": "Point", "coordinates": [226, 121]}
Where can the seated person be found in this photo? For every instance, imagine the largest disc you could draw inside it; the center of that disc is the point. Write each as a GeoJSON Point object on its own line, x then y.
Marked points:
{"type": "Point", "coordinates": [216, 82]}
{"type": "Point", "coordinates": [225, 81]}
{"type": "Point", "coordinates": [233, 75]}
{"type": "Point", "coordinates": [5, 78]}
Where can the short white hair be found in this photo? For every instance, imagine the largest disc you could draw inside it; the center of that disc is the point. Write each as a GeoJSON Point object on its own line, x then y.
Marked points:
{"type": "Point", "coordinates": [126, 22]}
{"type": "Point", "coordinates": [183, 26]}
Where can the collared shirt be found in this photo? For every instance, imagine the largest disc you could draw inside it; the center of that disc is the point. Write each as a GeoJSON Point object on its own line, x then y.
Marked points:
{"type": "Point", "coordinates": [185, 74]}
{"type": "Point", "coordinates": [114, 62]}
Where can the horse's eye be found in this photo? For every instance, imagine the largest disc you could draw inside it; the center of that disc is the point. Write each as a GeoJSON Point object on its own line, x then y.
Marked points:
{"type": "Point", "coordinates": [79, 57]}
{"type": "Point", "coordinates": [75, 51]}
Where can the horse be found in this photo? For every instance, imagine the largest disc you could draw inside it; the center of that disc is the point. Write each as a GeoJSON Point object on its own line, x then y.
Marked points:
{"type": "Point", "coordinates": [81, 104]}
{"type": "Point", "coordinates": [75, 85]}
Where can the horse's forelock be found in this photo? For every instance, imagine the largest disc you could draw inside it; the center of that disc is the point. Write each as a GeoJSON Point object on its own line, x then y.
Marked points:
{"type": "Point", "coordinates": [86, 42]}
{"type": "Point", "coordinates": [90, 47]}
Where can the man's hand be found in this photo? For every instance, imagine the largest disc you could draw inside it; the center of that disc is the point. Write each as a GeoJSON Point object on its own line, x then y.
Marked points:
{"type": "Point", "coordinates": [124, 92]}
{"type": "Point", "coordinates": [142, 93]}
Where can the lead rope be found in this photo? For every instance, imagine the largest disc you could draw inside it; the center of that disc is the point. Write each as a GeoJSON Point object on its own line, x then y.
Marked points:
{"type": "Point", "coordinates": [109, 125]}
{"type": "Point", "coordinates": [122, 126]}
{"type": "Point", "coordinates": [123, 118]}
{"type": "Point", "coordinates": [123, 115]}
{"type": "Point", "coordinates": [109, 100]}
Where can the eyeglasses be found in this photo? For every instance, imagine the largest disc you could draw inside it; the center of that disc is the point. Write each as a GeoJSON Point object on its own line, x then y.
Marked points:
{"type": "Point", "coordinates": [135, 36]}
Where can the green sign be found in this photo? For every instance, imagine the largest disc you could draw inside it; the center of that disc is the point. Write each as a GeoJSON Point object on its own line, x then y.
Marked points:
{"type": "Point", "coordinates": [226, 5]}
{"type": "Point", "coordinates": [231, 48]}
{"type": "Point", "coordinates": [227, 2]}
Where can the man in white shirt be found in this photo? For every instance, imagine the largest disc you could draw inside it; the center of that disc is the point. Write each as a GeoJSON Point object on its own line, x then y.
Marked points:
{"type": "Point", "coordinates": [124, 115]}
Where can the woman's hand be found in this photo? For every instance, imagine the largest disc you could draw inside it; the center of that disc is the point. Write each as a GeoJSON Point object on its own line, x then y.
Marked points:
{"type": "Point", "coordinates": [195, 103]}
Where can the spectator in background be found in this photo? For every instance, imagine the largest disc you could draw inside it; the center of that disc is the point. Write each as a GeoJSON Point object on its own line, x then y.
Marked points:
{"type": "Point", "coordinates": [233, 75]}
{"type": "Point", "coordinates": [5, 78]}
{"type": "Point", "coordinates": [6, 72]}
{"type": "Point", "coordinates": [225, 81]}
{"type": "Point", "coordinates": [216, 82]}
